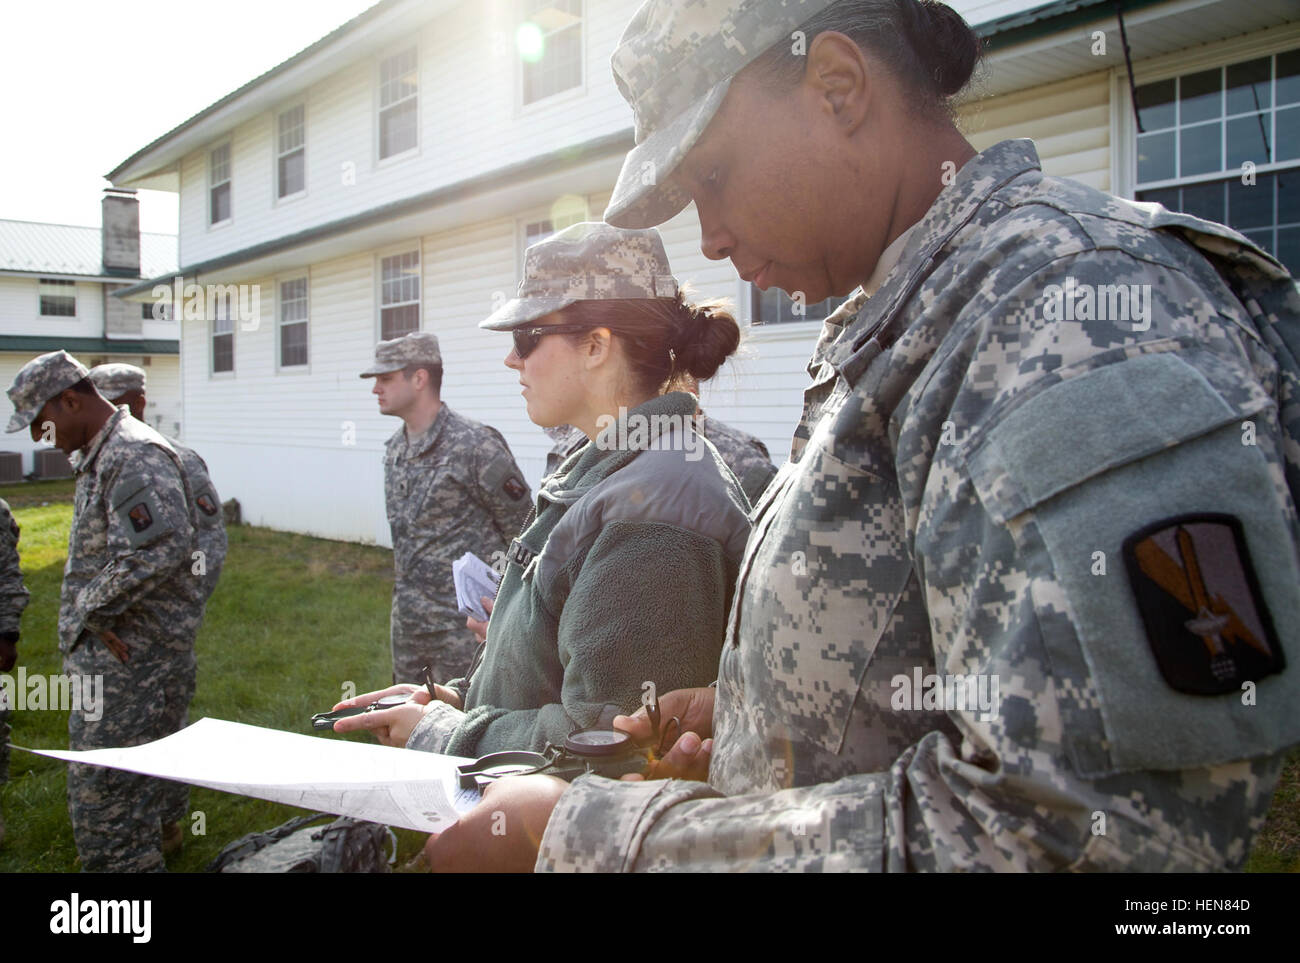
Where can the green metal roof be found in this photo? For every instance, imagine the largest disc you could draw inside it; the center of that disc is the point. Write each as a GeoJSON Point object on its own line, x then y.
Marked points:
{"type": "Point", "coordinates": [37, 344]}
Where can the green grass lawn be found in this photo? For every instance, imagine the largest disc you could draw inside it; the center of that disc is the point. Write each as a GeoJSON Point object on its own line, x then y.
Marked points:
{"type": "Point", "coordinates": [292, 620]}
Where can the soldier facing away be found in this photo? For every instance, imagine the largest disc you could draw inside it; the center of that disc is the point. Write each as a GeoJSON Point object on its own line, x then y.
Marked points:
{"type": "Point", "coordinates": [130, 605]}
{"type": "Point", "coordinates": [13, 599]}
{"type": "Point", "coordinates": [1092, 517]}
{"type": "Point", "coordinates": [451, 486]}
{"type": "Point", "coordinates": [125, 384]}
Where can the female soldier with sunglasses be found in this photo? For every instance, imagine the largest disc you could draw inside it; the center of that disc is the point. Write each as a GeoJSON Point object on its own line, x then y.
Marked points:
{"type": "Point", "coordinates": [625, 575]}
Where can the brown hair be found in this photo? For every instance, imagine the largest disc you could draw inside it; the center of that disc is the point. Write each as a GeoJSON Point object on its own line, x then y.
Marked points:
{"type": "Point", "coordinates": [700, 336]}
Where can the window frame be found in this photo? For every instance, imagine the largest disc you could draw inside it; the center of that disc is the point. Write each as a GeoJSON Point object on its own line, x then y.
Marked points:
{"type": "Point", "coordinates": [229, 182]}
{"type": "Point", "coordinates": [213, 334]}
{"type": "Point", "coordinates": [278, 153]}
{"type": "Point", "coordinates": [414, 247]}
{"type": "Point", "coordinates": [379, 108]}
{"type": "Point", "coordinates": [577, 90]}
{"type": "Point", "coordinates": [539, 216]}
{"type": "Point", "coordinates": [1124, 174]}
{"type": "Point", "coordinates": [40, 298]}
{"type": "Point", "coordinates": [305, 321]}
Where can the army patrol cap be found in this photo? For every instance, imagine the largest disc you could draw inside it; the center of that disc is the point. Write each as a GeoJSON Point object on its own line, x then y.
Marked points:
{"type": "Point", "coordinates": [40, 380]}
{"type": "Point", "coordinates": [674, 65]}
{"type": "Point", "coordinates": [416, 348]}
{"type": "Point", "coordinates": [590, 261]}
{"type": "Point", "coordinates": [115, 379]}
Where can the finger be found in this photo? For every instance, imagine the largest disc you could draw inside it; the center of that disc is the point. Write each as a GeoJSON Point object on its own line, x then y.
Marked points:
{"type": "Point", "coordinates": [487, 604]}
{"type": "Point", "coordinates": [687, 759]}
{"type": "Point", "coordinates": [401, 688]}
{"type": "Point", "coordinates": [636, 725]}
{"type": "Point", "coordinates": [367, 720]}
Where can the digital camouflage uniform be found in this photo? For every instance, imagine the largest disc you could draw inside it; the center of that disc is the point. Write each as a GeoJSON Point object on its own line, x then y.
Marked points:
{"type": "Point", "coordinates": [744, 454]}
{"type": "Point", "coordinates": [960, 461]}
{"type": "Point", "coordinates": [113, 381]}
{"type": "Point", "coordinates": [454, 489]}
{"type": "Point", "coordinates": [13, 599]}
{"type": "Point", "coordinates": [129, 570]}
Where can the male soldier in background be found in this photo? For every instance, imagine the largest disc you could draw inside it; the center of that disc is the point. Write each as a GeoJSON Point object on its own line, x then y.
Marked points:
{"type": "Point", "coordinates": [130, 604]}
{"type": "Point", "coordinates": [451, 486]}
{"type": "Point", "coordinates": [124, 384]}
{"type": "Point", "coordinates": [13, 599]}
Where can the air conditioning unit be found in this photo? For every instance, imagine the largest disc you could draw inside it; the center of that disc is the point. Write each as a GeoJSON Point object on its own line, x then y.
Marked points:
{"type": "Point", "coordinates": [52, 463]}
{"type": "Point", "coordinates": [11, 467]}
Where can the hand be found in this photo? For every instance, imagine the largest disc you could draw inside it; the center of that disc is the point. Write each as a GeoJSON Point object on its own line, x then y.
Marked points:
{"type": "Point", "coordinates": [8, 654]}
{"type": "Point", "coordinates": [392, 727]}
{"type": "Point", "coordinates": [502, 833]}
{"type": "Point", "coordinates": [690, 755]}
{"type": "Point", "coordinates": [115, 645]}
{"type": "Point", "coordinates": [408, 689]}
{"type": "Point", "coordinates": [474, 625]}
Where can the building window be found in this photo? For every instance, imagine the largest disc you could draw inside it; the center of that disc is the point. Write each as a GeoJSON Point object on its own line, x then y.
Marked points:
{"type": "Point", "coordinates": [1206, 136]}
{"type": "Point", "coordinates": [223, 335]}
{"type": "Point", "coordinates": [156, 311]}
{"type": "Point", "coordinates": [399, 295]}
{"type": "Point", "coordinates": [398, 103]}
{"type": "Point", "coordinates": [219, 184]}
{"type": "Point", "coordinates": [293, 322]}
{"type": "Point", "coordinates": [58, 298]}
{"type": "Point", "coordinates": [774, 306]}
{"type": "Point", "coordinates": [291, 152]}
{"type": "Point", "coordinates": [550, 47]}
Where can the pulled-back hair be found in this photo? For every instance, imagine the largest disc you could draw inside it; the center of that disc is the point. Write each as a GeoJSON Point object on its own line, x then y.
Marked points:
{"type": "Point", "coordinates": [926, 45]}
{"type": "Point", "coordinates": [700, 336]}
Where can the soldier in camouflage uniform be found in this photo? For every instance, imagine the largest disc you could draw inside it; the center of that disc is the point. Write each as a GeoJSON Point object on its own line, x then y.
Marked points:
{"type": "Point", "coordinates": [124, 384]}
{"type": "Point", "coordinates": [451, 486]}
{"type": "Point", "coordinates": [130, 603]}
{"type": "Point", "coordinates": [991, 478]}
{"type": "Point", "coordinates": [13, 599]}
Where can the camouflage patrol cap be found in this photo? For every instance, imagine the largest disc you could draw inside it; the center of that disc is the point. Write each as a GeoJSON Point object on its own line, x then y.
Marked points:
{"type": "Point", "coordinates": [40, 380]}
{"type": "Point", "coordinates": [416, 348]}
{"type": "Point", "coordinates": [590, 261]}
{"type": "Point", "coordinates": [674, 64]}
{"type": "Point", "coordinates": [115, 379]}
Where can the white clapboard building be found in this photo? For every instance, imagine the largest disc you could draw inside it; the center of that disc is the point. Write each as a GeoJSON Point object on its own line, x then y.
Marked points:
{"type": "Point", "coordinates": [389, 177]}
{"type": "Point", "coordinates": [57, 283]}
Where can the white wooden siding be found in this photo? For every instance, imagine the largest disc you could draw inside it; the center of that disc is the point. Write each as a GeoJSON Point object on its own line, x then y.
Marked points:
{"type": "Point", "coordinates": [20, 310]}
{"type": "Point", "coordinates": [1068, 121]}
{"type": "Point", "coordinates": [481, 129]}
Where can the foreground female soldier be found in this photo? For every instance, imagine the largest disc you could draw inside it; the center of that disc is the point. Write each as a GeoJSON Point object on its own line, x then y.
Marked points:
{"type": "Point", "coordinates": [1021, 599]}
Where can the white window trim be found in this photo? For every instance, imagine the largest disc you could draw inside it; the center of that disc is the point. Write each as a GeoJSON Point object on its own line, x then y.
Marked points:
{"type": "Point", "coordinates": [413, 245]}
{"type": "Point", "coordinates": [559, 98]}
{"type": "Point", "coordinates": [375, 107]}
{"type": "Point", "coordinates": [212, 225]}
{"type": "Point", "coordinates": [276, 154]}
{"type": "Point", "coordinates": [1124, 153]}
{"type": "Point", "coordinates": [76, 302]}
{"type": "Point", "coordinates": [292, 369]}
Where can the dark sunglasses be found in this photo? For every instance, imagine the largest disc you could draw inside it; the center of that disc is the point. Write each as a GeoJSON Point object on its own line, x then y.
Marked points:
{"type": "Point", "coordinates": [527, 339]}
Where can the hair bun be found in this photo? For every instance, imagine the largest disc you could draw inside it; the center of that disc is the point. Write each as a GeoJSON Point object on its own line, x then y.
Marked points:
{"type": "Point", "coordinates": [708, 337]}
{"type": "Point", "coordinates": [943, 42]}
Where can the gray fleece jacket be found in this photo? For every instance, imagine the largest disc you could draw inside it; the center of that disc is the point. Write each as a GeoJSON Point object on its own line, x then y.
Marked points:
{"type": "Point", "coordinates": [625, 576]}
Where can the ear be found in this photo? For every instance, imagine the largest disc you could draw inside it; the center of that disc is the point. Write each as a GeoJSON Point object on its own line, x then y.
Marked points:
{"type": "Point", "coordinates": [840, 78]}
{"type": "Point", "coordinates": [598, 347]}
{"type": "Point", "coordinates": [70, 401]}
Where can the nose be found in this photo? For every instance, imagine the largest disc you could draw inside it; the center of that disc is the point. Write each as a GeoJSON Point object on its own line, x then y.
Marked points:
{"type": "Point", "coordinates": [375, 389]}
{"type": "Point", "coordinates": [716, 242]}
{"type": "Point", "coordinates": [513, 361]}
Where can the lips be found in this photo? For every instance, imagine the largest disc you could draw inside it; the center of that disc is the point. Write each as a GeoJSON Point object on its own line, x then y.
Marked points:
{"type": "Point", "coordinates": [758, 276]}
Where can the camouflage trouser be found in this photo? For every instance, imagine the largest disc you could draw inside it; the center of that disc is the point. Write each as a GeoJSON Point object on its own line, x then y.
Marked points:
{"type": "Point", "coordinates": [117, 816]}
{"type": "Point", "coordinates": [4, 744]}
{"type": "Point", "coordinates": [429, 633]}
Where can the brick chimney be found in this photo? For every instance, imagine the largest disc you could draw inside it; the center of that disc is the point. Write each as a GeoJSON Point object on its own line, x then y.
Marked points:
{"type": "Point", "coordinates": [121, 232]}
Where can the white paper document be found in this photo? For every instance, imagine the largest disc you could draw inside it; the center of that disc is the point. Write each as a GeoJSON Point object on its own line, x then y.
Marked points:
{"type": "Point", "coordinates": [474, 580]}
{"type": "Point", "coordinates": [397, 787]}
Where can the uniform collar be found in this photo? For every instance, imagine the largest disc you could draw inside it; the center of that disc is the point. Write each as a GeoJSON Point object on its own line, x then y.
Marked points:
{"type": "Point", "coordinates": [956, 204]}
{"type": "Point", "coordinates": [422, 442]}
{"type": "Point", "coordinates": [91, 451]}
{"type": "Point", "coordinates": [599, 461]}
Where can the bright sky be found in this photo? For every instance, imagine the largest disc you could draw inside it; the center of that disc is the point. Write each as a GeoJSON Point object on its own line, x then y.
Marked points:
{"type": "Point", "coordinates": [86, 84]}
